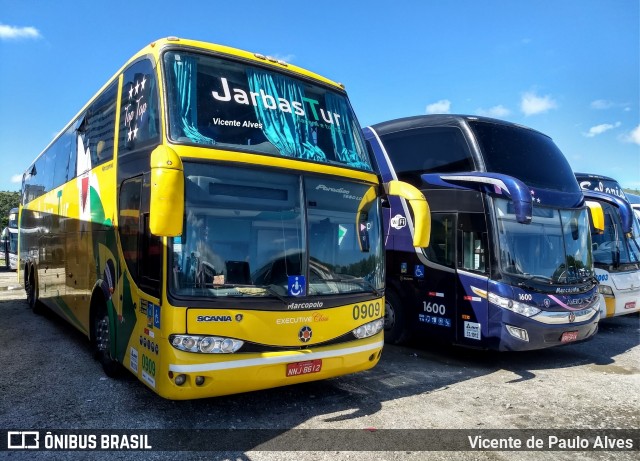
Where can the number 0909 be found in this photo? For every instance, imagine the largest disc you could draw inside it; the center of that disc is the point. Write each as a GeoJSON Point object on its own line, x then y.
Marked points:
{"type": "Point", "coordinates": [366, 311]}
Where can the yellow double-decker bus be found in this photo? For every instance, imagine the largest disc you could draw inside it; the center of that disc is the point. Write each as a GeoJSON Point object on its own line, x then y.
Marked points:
{"type": "Point", "coordinates": [212, 222]}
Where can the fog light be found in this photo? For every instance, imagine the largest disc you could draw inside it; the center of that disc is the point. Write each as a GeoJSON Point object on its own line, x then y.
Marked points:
{"type": "Point", "coordinates": [199, 380]}
{"type": "Point", "coordinates": [181, 379]}
{"type": "Point", "coordinates": [519, 333]}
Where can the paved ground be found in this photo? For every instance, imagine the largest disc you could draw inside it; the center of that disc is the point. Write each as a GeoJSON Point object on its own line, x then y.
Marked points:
{"type": "Point", "coordinates": [9, 285]}
{"type": "Point", "coordinates": [50, 381]}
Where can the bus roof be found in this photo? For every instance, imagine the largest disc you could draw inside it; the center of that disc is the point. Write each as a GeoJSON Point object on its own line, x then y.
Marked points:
{"type": "Point", "coordinates": [159, 45]}
{"type": "Point", "coordinates": [594, 176]}
{"type": "Point", "coordinates": [421, 121]}
{"type": "Point", "coordinates": [633, 198]}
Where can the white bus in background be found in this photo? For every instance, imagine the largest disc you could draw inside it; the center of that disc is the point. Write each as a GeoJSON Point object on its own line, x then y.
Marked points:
{"type": "Point", "coordinates": [10, 241]}
{"type": "Point", "coordinates": [616, 250]}
{"type": "Point", "coordinates": [634, 200]}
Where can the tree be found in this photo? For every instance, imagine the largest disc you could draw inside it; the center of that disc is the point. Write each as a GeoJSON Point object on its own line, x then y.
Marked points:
{"type": "Point", "coordinates": [8, 200]}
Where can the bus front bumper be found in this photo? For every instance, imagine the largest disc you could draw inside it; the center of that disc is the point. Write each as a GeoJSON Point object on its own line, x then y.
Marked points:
{"type": "Point", "coordinates": [520, 333]}
{"type": "Point", "coordinates": [264, 371]}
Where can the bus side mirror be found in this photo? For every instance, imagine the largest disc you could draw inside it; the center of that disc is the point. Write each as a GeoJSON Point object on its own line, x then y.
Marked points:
{"type": "Point", "coordinates": [497, 183]}
{"type": "Point", "coordinates": [362, 217]}
{"type": "Point", "coordinates": [575, 230]}
{"type": "Point", "coordinates": [596, 216]}
{"type": "Point", "coordinates": [166, 209]}
{"type": "Point", "coordinates": [419, 206]}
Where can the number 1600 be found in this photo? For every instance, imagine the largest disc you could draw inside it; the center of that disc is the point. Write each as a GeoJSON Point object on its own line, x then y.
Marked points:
{"type": "Point", "coordinates": [434, 308]}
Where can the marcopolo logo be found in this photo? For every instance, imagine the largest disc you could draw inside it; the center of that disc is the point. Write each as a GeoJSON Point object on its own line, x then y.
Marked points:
{"type": "Point", "coordinates": [296, 306]}
{"type": "Point", "coordinates": [305, 334]}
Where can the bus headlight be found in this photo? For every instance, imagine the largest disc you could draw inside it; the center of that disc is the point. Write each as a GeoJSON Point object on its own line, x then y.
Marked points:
{"type": "Point", "coordinates": [205, 344]}
{"type": "Point", "coordinates": [605, 290]}
{"type": "Point", "coordinates": [513, 306]}
{"type": "Point", "coordinates": [369, 329]}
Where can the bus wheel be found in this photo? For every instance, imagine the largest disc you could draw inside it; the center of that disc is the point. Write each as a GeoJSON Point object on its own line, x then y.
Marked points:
{"type": "Point", "coordinates": [32, 293]}
{"type": "Point", "coordinates": [395, 323]}
{"type": "Point", "coordinates": [101, 340]}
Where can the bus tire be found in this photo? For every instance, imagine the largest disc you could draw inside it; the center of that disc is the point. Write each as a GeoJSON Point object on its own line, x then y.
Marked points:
{"type": "Point", "coordinates": [31, 288]}
{"type": "Point", "coordinates": [101, 337]}
{"type": "Point", "coordinates": [395, 320]}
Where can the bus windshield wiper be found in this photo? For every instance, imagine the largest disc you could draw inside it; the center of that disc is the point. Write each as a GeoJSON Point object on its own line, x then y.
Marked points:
{"type": "Point", "coordinates": [540, 278]}
{"type": "Point", "coordinates": [273, 292]}
{"type": "Point", "coordinates": [360, 281]}
{"type": "Point", "coordinates": [250, 290]}
{"type": "Point", "coordinates": [535, 278]}
{"type": "Point", "coordinates": [529, 287]}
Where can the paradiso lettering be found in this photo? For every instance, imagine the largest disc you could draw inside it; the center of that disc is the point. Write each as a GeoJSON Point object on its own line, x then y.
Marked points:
{"type": "Point", "coordinates": [345, 193]}
{"type": "Point", "coordinates": [269, 102]}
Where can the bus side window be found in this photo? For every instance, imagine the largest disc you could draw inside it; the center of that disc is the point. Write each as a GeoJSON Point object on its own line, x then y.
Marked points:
{"type": "Point", "coordinates": [150, 268]}
{"type": "Point", "coordinates": [139, 119]}
{"type": "Point", "coordinates": [99, 126]}
{"type": "Point", "coordinates": [441, 249]}
{"type": "Point", "coordinates": [129, 221]}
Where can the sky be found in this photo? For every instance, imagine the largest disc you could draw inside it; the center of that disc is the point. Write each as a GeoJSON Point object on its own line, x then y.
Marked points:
{"type": "Point", "coordinates": [568, 68]}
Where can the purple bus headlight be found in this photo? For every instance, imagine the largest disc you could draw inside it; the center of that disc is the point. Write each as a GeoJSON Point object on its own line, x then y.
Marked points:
{"type": "Point", "coordinates": [513, 306]}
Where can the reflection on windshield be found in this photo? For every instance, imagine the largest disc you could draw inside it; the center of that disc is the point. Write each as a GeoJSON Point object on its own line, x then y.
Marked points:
{"type": "Point", "coordinates": [333, 239]}
{"type": "Point", "coordinates": [245, 235]}
{"type": "Point", "coordinates": [555, 246]}
{"type": "Point", "coordinates": [613, 249]}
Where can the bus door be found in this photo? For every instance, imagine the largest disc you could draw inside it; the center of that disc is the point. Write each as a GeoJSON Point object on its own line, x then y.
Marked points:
{"type": "Point", "coordinates": [437, 291]}
{"type": "Point", "coordinates": [471, 319]}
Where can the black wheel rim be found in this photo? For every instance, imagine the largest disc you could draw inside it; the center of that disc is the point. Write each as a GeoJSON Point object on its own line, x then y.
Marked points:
{"type": "Point", "coordinates": [102, 334]}
{"type": "Point", "coordinates": [389, 316]}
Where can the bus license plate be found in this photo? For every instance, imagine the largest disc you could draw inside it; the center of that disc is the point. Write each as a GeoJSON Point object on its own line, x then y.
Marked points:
{"type": "Point", "coordinates": [569, 336]}
{"type": "Point", "coordinates": [304, 368]}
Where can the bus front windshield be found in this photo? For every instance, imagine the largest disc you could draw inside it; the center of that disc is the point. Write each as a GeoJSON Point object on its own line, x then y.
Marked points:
{"type": "Point", "coordinates": [236, 106]}
{"type": "Point", "coordinates": [13, 242]}
{"type": "Point", "coordinates": [247, 232]}
{"type": "Point", "coordinates": [613, 250]}
{"type": "Point", "coordinates": [555, 247]}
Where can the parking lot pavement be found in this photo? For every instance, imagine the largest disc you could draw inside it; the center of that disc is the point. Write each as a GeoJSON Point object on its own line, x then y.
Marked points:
{"type": "Point", "coordinates": [10, 288]}
{"type": "Point", "coordinates": [49, 380]}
